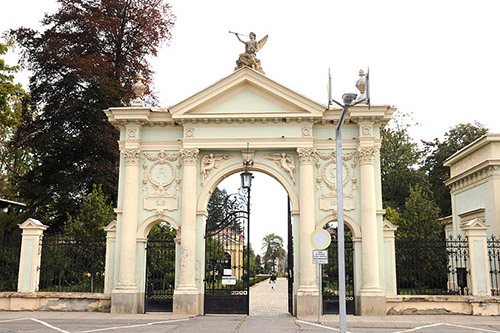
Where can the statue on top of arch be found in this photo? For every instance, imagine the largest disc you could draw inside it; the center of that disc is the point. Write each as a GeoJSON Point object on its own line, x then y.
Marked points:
{"type": "Point", "coordinates": [248, 58]}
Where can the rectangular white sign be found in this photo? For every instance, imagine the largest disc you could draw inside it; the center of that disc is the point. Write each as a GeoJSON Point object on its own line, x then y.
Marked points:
{"type": "Point", "coordinates": [320, 257]}
{"type": "Point", "coordinates": [229, 280]}
{"type": "Point", "coordinates": [227, 271]}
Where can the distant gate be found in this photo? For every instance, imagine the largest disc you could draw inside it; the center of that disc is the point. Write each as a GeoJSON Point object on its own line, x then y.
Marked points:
{"type": "Point", "coordinates": [226, 258]}
{"type": "Point", "coordinates": [331, 275]}
{"type": "Point", "coordinates": [160, 269]}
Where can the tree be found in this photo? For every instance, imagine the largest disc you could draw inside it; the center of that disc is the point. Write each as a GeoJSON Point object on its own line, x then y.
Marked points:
{"type": "Point", "coordinates": [400, 160]}
{"type": "Point", "coordinates": [95, 213]}
{"type": "Point", "coordinates": [437, 152]}
{"type": "Point", "coordinates": [225, 210]}
{"type": "Point", "coordinates": [272, 245]}
{"type": "Point", "coordinates": [85, 59]}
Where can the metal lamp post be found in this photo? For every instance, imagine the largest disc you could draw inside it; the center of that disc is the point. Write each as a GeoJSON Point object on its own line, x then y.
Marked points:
{"type": "Point", "coordinates": [349, 99]}
{"type": "Point", "coordinates": [246, 183]}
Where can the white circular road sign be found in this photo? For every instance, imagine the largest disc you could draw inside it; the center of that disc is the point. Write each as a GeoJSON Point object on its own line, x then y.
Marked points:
{"type": "Point", "coordinates": [320, 239]}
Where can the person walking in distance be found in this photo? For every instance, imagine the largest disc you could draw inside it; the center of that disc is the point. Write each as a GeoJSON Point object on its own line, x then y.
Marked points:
{"type": "Point", "coordinates": [272, 280]}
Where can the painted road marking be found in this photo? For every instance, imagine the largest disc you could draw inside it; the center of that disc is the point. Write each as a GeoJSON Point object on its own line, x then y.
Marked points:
{"type": "Point", "coordinates": [49, 325]}
{"type": "Point", "coordinates": [132, 326]}
{"type": "Point", "coordinates": [446, 324]}
{"type": "Point", "coordinates": [318, 325]}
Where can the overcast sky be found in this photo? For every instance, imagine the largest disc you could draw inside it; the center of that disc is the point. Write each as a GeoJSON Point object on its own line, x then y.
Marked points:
{"type": "Point", "coordinates": [436, 59]}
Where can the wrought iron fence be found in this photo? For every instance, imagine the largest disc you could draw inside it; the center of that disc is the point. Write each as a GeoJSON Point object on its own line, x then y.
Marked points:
{"type": "Point", "coordinates": [494, 260]}
{"type": "Point", "coordinates": [432, 266]}
{"type": "Point", "coordinates": [73, 264]}
{"type": "Point", "coordinates": [10, 249]}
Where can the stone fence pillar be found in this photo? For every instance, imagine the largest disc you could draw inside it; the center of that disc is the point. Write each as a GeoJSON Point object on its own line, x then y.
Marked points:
{"type": "Point", "coordinates": [390, 258]}
{"type": "Point", "coordinates": [479, 283]}
{"type": "Point", "coordinates": [110, 257]}
{"type": "Point", "coordinates": [31, 254]}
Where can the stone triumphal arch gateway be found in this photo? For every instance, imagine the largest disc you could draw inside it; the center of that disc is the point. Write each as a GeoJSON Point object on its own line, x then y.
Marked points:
{"type": "Point", "coordinates": [173, 158]}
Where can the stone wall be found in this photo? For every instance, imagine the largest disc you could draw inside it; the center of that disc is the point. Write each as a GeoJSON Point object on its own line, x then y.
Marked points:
{"type": "Point", "coordinates": [53, 301]}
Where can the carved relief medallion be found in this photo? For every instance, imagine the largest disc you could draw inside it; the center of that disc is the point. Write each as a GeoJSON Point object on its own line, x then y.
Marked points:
{"type": "Point", "coordinates": [161, 174]}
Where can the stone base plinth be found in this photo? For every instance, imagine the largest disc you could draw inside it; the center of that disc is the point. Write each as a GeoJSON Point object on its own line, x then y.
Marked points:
{"type": "Point", "coordinates": [371, 305]}
{"type": "Point", "coordinates": [307, 305]}
{"type": "Point", "coordinates": [127, 302]}
{"type": "Point", "coordinates": [188, 303]}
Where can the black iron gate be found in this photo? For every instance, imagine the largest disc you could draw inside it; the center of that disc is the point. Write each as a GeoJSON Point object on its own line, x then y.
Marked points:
{"type": "Point", "coordinates": [290, 260]}
{"type": "Point", "coordinates": [226, 256]}
{"type": "Point", "coordinates": [160, 269]}
{"type": "Point", "coordinates": [331, 275]}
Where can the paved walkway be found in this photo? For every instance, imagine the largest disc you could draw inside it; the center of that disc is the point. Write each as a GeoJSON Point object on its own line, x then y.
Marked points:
{"type": "Point", "coordinates": [265, 301]}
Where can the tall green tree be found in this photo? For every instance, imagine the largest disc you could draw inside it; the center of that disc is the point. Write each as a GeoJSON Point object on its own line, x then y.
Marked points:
{"type": "Point", "coordinates": [438, 151]}
{"type": "Point", "coordinates": [225, 211]}
{"type": "Point", "coordinates": [272, 244]}
{"type": "Point", "coordinates": [84, 59]}
{"type": "Point", "coordinates": [400, 160]}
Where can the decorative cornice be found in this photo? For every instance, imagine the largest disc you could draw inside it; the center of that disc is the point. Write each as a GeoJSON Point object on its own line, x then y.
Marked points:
{"type": "Point", "coordinates": [473, 178]}
{"type": "Point", "coordinates": [367, 154]}
{"type": "Point", "coordinates": [306, 155]}
{"type": "Point", "coordinates": [132, 156]}
{"type": "Point", "coordinates": [189, 155]}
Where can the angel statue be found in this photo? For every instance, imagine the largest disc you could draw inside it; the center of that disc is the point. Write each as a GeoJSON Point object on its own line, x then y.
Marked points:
{"type": "Point", "coordinates": [284, 161]}
{"type": "Point", "coordinates": [251, 47]}
{"type": "Point", "coordinates": [210, 162]}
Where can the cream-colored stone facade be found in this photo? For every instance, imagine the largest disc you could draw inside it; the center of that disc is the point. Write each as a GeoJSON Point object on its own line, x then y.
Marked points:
{"type": "Point", "coordinates": [173, 158]}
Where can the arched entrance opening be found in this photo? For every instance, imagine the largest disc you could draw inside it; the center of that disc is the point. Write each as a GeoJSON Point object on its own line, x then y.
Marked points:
{"type": "Point", "coordinates": [160, 268]}
{"type": "Point", "coordinates": [270, 216]}
{"type": "Point", "coordinates": [330, 278]}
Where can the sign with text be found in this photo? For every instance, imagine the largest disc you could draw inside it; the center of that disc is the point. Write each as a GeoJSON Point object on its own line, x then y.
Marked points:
{"type": "Point", "coordinates": [320, 257]}
{"type": "Point", "coordinates": [229, 280]}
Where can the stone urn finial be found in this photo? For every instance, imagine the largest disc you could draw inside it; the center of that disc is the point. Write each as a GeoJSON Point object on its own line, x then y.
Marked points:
{"type": "Point", "coordinates": [361, 85]}
{"type": "Point", "coordinates": [138, 88]}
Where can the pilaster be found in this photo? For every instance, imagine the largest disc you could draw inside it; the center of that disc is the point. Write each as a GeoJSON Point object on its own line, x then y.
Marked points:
{"type": "Point", "coordinates": [125, 297]}
{"type": "Point", "coordinates": [31, 254]}
{"type": "Point", "coordinates": [187, 297]}
{"type": "Point", "coordinates": [371, 300]}
{"type": "Point", "coordinates": [110, 255]}
{"type": "Point", "coordinates": [307, 292]}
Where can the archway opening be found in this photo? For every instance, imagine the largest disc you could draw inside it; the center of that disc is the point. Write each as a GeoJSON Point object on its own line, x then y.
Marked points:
{"type": "Point", "coordinates": [330, 271]}
{"type": "Point", "coordinates": [271, 247]}
{"type": "Point", "coordinates": [160, 268]}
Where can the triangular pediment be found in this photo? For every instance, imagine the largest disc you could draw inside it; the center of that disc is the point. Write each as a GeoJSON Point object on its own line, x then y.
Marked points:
{"type": "Point", "coordinates": [244, 94]}
{"type": "Point", "coordinates": [32, 224]}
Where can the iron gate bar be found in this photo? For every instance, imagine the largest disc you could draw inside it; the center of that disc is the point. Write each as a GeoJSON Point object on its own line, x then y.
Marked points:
{"type": "Point", "coordinates": [225, 249]}
{"type": "Point", "coordinates": [160, 269]}
{"type": "Point", "coordinates": [290, 258]}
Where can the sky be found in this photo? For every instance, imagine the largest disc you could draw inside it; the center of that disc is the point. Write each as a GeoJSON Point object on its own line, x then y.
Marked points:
{"type": "Point", "coordinates": [437, 60]}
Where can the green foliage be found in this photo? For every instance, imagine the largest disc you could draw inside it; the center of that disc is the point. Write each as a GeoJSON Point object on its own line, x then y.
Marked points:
{"type": "Point", "coordinates": [455, 139]}
{"type": "Point", "coordinates": [161, 260]}
{"type": "Point", "coordinates": [224, 210]}
{"type": "Point", "coordinates": [95, 213]}
{"type": "Point", "coordinates": [84, 59]}
{"type": "Point", "coordinates": [400, 160]}
{"type": "Point", "coordinates": [419, 219]}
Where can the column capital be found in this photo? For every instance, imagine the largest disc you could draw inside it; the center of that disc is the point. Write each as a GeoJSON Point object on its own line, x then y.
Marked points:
{"type": "Point", "coordinates": [132, 156]}
{"type": "Point", "coordinates": [306, 155]}
{"type": "Point", "coordinates": [367, 154]}
{"type": "Point", "coordinates": [189, 155]}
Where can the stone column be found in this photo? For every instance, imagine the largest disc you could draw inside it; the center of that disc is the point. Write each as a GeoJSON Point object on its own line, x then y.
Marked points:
{"type": "Point", "coordinates": [307, 293]}
{"type": "Point", "coordinates": [110, 255]}
{"type": "Point", "coordinates": [371, 300]}
{"type": "Point", "coordinates": [125, 297]}
{"type": "Point", "coordinates": [187, 298]}
{"type": "Point", "coordinates": [479, 282]}
{"type": "Point", "coordinates": [31, 254]}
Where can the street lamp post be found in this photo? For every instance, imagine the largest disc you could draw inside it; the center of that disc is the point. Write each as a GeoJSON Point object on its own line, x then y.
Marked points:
{"type": "Point", "coordinates": [349, 99]}
{"type": "Point", "coordinates": [246, 183]}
